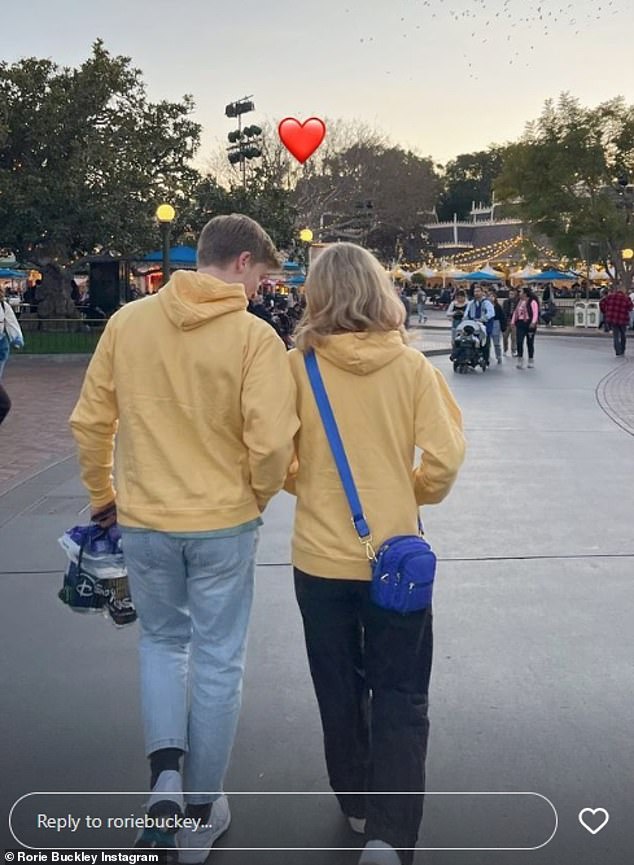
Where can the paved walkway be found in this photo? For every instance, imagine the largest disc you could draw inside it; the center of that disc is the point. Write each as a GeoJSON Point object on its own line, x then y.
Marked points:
{"type": "Point", "coordinates": [533, 683]}
{"type": "Point", "coordinates": [43, 390]}
{"type": "Point", "coordinates": [615, 394]}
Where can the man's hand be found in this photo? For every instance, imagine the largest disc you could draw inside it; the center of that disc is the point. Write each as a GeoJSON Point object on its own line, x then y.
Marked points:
{"type": "Point", "coordinates": [106, 516]}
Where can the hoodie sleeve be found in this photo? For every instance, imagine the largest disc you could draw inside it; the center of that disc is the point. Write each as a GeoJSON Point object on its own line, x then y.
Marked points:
{"type": "Point", "coordinates": [291, 477]}
{"type": "Point", "coordinates": [12, 327]}
{"type": "Point", "coordinates": [438, 432]}
{"type": "Point", "coordinates": [94, 423]}
{"type": "Point", "coordinates": [269, 414]}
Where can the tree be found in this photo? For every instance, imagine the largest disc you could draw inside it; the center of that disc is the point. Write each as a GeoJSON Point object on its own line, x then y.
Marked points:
{"type": "Point", "coordinates": [370, 192]}
{"type": "Point", "coordinates": [356, 186]}
{"type": "Point", "coordinates": [85, 157]}
{"type": "Point", "coordinates": [261, 199]}
{"type": "Point", "coordinates": [571, 172]}
{"type": "Point", "coordinates": [469, 178]}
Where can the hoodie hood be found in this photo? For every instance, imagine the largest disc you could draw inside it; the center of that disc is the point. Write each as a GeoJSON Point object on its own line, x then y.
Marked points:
{"type": "Point", "coordinates": [191, 299]}
{"type": "Point", "coordinates": [362, 353]}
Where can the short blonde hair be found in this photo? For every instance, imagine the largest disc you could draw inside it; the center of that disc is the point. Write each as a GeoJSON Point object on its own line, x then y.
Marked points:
{"type": "Point", "coordinates": [348, 291]}
{"type": "Point", "coordinates": [224, 238]}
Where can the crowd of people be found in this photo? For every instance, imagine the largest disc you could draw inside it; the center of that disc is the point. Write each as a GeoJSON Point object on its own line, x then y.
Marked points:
{"type": "Point", "coordinates": [282, 311]}
{"type": "Point", "coordinates": [512, 324]}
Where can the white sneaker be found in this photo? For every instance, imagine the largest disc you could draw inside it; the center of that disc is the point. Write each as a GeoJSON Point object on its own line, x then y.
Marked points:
{"type": "Point", "coordinates": [194, 846]}
{"type": "Point", "coordinates": [530, 363]}
{"type": "Point", "coordinates": [166, 797]}
{"type": "Point", "coordinates": [520, 363]}
{"type": "Point", "coordinates": [165, 801]}
{"type": "Point", "coordinates": [379, 853]}
{"type": "Point", "coordinates": [357, 824]}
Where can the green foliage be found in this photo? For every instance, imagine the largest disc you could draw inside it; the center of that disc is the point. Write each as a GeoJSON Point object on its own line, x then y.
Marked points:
{"type": "Point", "coordinates": [85, 158]}
{"type": "Point", "coordinates": [565, 174]}
{"type": "Point", "coordinates": [261, 199]}
{"type": "Point", "coordinates": [372, 193]}
{"type": "Point", "coordinates": [469, 178]}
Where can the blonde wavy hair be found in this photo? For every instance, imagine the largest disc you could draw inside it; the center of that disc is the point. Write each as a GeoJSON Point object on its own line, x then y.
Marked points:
{"type": "Point", "coordinates": [348, 291]}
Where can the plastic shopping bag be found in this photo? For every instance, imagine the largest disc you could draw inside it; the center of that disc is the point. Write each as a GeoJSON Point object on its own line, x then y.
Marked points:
{"type": "Point", "coordinates": [96, 579]}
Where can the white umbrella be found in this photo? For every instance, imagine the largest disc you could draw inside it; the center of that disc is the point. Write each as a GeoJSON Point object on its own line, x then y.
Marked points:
{"type": "Point", "coordinates": [488, 269]}
{"type": "Point", "coordinates": [427, 272]}
{"type": "Point", "coordinates": [525, 272]}
{"type": "Point", "coordinates": [398, 273]}
{"type": "Point", "coordinates": [451, 273]}
{"type": "Point", "coordinates": [597, 275]}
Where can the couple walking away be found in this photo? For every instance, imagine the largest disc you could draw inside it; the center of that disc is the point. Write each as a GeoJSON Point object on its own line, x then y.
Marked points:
{"type": "Point", "coordinates": [212, 418]}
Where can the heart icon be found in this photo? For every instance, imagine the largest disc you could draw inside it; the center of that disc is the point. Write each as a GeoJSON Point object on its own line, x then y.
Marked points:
{"type": "Point", "coordinates": [596, 825]}
{"type": "Point", "coordinates": [301, 139]}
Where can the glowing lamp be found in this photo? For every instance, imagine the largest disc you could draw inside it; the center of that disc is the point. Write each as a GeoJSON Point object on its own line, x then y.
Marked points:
{"type": "Point", "coordinates": [165, 213]}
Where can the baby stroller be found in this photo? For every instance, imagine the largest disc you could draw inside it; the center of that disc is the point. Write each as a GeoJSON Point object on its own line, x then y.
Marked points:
{"type": "Point", "coordinates": [468, 349]}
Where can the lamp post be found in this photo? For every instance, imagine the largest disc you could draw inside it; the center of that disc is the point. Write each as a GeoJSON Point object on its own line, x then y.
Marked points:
{"type": "Point", "coordinates": [627, 255]}
{"type": "Point", "coordinates": [165, 214]}
{"type": "Point", "coordinates": [306, 237]}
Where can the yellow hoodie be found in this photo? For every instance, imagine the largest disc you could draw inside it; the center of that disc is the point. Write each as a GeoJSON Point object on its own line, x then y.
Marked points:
{"type": "Point", "coordinates": [199, 394]}
{"type": "Point", "coordinates": [387, 398]}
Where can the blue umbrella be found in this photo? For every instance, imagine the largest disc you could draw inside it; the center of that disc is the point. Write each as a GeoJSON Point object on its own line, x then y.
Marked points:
{"type": "Point", "coordinates": [553, 276]}
{"type": "Point", "coordinates": [7, 273]}
{"type": "Point", "coordinates": [298, 279]}
{"type": "Point", "coordinates": [479, 276]}
{"type": "Point", "coordinates": [178, 255]}
{"type": "Point", "coordinates": [291, 265]}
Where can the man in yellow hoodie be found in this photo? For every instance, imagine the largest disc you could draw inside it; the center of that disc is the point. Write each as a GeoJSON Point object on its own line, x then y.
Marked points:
{"type": "Point", "coordinates": [198, 395]}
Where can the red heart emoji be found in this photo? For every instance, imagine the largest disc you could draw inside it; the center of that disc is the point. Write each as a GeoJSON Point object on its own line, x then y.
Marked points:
{"type": "Point", "coordinates": [301, 139]}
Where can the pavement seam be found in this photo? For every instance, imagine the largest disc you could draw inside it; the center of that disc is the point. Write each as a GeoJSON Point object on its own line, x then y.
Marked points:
{"type": "Point", "coordinates": [42, 468]}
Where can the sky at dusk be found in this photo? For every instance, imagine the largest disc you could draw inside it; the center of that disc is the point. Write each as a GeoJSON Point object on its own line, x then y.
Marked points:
{"type": "Point", "coordinates": [442, 77]}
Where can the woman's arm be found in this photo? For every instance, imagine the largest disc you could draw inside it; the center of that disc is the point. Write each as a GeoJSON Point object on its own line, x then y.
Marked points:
{"type": "Point", "coordinates": [438, 432]}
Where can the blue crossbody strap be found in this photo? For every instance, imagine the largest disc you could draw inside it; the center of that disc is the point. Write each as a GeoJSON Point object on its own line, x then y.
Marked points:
{"type": "Point", "coordinates": [339, 452]}
{"type": "Point", "coordinates": [336, 446]}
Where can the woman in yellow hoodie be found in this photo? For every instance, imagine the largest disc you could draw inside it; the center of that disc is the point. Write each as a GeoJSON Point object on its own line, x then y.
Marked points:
{"type": "Point", "coordinates": [370, 666]}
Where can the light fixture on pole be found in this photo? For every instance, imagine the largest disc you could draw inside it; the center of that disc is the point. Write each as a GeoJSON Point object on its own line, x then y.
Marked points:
{"type": "Point", "coordinates": [244, 143]}
{"type": "Point", "coordinates": [165, 214]}
{"type": "Point", "coordinates": [306, 237]}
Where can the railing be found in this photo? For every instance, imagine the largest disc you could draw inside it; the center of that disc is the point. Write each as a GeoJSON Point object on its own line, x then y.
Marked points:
{"type": "Point", "coordinates": [469, 223]}
{"type": "Point", "coordinates": [60, 335]}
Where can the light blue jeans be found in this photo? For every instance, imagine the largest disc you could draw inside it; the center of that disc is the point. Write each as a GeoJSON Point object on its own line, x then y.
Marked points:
{"type": "Point", "coordinates": [193, 598]}
{"type": "Point", "coordinates": [496, 335]}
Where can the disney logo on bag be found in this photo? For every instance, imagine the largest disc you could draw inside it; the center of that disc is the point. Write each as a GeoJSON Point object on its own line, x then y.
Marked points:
{"type": "Point", "coordinates": [86, 588]}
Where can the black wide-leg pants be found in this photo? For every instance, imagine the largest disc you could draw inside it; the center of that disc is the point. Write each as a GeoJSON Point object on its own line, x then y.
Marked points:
{"type": "Point", "coordinates": [371, 670]}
